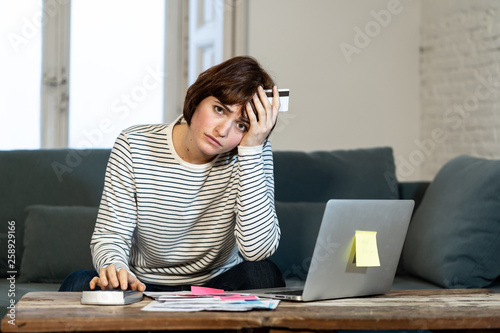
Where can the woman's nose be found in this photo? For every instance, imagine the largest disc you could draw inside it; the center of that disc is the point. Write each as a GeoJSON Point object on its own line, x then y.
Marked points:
{"type": "Point", "coordinates": [223, 127]}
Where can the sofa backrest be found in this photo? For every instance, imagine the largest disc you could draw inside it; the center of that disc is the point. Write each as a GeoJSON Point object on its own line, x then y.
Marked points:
{"type": "Point", "coordinates": [60, 177]}
{"type": "Point", "coordinates": [341, 174]}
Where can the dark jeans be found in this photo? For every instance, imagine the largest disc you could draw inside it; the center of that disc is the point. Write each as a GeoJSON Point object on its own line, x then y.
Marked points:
{"type": "Point", "coordinates": [246, 275]}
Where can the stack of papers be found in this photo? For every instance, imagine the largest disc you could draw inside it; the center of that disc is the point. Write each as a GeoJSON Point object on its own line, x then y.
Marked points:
{"type": "Point", "coordinates": [206, 299]}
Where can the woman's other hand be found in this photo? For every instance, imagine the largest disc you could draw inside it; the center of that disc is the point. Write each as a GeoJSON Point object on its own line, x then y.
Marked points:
{"type": "Point", "coordinates": [110, 279]}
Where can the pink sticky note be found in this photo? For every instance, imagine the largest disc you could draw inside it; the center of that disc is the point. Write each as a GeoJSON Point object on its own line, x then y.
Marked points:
{"type": "Point", "coordinates": [240, 298]}
{"type": "Point", "coordinates": [205, 291]}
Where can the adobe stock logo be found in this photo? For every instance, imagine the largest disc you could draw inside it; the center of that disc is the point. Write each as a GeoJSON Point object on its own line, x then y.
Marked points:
{"type": "Point", "coordinates": [373, 28]}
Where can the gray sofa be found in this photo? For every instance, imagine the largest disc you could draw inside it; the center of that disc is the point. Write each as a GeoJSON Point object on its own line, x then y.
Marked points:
{"type": "Point", "coordinates": [49, 200]}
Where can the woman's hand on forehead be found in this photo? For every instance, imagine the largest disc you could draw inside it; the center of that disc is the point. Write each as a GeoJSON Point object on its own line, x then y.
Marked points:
{"type": "Point", "coordinates": [261, 125]}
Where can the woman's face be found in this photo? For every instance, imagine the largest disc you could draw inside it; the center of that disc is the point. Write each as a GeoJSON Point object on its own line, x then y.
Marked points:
{"type": "Point", "coordinates": [218, 128]}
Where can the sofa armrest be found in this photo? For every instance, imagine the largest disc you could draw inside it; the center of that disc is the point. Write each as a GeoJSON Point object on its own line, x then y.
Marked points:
{"type": "Point", "coordinates": [413, 190]}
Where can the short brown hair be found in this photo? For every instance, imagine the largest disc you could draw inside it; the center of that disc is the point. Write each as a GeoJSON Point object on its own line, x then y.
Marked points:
{"type": "Point", "coordinates": [232, 82]}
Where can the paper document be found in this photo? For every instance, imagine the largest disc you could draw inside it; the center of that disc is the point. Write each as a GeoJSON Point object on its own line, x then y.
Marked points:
{"type": "Point", "coordinates": [206, 299]}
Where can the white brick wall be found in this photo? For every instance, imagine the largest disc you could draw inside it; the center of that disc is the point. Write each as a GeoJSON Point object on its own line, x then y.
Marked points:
{"type": "Point", "coordinates": [460, 84]}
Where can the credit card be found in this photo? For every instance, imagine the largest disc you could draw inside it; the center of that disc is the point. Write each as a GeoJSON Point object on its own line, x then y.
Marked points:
{"type": "Point", "coordinates": [284, 98]}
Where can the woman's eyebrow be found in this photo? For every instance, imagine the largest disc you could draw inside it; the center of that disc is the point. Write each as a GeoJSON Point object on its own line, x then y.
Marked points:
{"type": "Point", "coordinates": [227, 108]}
{"type": "Point", "coordinates": [224, 106]}
{"type": "Point", "coordinates": [242, 119]}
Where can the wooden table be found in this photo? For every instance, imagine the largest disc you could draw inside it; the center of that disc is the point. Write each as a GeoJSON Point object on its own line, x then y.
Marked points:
{"type": "Point", "coordinates": [404, 310]}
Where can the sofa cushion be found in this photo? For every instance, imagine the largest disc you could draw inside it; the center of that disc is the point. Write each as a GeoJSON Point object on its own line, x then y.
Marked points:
{"type": "Point", "coordinates": [299, 223]}
{"type": "Point", "coordinates": [57, 242]}
{"type": "Point", "coordinates": [454, 237]}
{"type": "Point", "coordinates": [342, 174]}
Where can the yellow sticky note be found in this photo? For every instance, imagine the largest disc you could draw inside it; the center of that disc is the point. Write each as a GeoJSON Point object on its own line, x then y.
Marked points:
{"type": "Point", "coordinates": [366, 249]}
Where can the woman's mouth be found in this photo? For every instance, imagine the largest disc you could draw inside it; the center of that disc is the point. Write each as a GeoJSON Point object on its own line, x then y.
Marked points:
{"type": "Point", "coordinates": [213, 140]}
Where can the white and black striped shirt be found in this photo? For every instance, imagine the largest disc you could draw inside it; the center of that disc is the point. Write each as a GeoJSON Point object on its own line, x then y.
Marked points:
{"type": "Point", "coordinates": [174, 223]}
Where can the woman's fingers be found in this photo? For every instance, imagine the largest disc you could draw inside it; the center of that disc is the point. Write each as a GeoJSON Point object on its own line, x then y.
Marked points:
{"type": "Point", "coordinates": [108, 279]}
{"type": "Point", "coordinates": [276, 104]}
{"type": "Point", "coordinates": [268, 113]}
{"type": "Point", "coordinates": [123, 278]}
{"type": "Point", "coordinates": [263, 119]}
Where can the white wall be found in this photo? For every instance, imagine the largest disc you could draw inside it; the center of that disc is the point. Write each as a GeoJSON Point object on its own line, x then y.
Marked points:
{"type": "Point", "coordinates": [373, 100]}
{"type": "Point", "coordinates": [460, 70]}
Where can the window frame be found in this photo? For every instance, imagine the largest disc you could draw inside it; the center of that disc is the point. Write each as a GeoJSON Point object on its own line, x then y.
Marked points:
{"type": "Point", "coordinates": [55, 74]}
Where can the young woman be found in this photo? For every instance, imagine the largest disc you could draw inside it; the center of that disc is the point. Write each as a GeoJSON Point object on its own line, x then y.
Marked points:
{"type": "Point", "coordinates": [192, 203]}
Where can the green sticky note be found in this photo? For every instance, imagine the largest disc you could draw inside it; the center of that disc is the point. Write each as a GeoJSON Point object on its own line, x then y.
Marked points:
{"type": "Point", "coordinates": [366, 249]}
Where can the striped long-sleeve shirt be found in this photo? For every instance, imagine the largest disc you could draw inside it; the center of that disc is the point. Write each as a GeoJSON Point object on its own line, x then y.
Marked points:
{"type": "Point", "coordinates": [174, 223]}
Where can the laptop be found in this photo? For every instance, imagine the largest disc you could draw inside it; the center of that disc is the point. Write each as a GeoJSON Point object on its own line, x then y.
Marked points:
{"type": "Point", "coordinates": [336, 269]}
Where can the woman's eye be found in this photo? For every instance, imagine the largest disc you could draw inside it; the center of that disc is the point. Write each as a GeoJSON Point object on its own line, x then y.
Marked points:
{"type": "Point", "coordinates": [242, 127]}
{"type": "Point", "coordinates": [218, 109]}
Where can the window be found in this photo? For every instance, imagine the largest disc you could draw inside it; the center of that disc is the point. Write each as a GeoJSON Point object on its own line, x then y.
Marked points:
{"type": "Point", "coordinates": [116, 68]}
{"type": "Point", "coordinates": [20, 27]}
